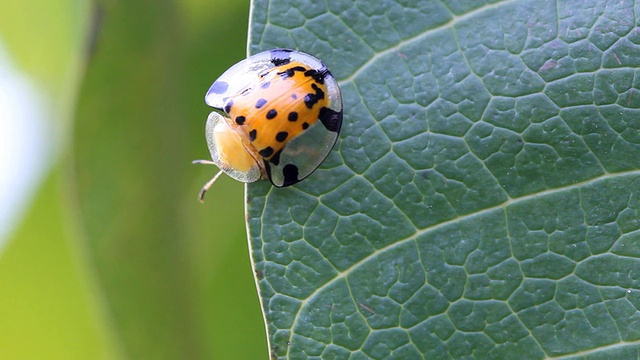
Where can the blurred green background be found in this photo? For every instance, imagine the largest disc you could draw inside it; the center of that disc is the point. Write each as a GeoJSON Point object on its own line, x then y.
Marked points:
{"type": "Point", "coordinates": [105, 252]}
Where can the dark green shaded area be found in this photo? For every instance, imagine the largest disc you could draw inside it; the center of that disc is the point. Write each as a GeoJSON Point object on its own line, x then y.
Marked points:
{"type": "Point", "coordinates": [174, 275]}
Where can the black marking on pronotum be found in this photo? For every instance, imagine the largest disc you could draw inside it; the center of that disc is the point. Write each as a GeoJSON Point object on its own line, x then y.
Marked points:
{"type": "Point", "coordinates": [271, 114]}
{"type": "Point", "coordinates": [293, 116]}
{"type": "Point", "coordinates": [282, 136]}
{"type": "Point", "coordinates": [294, 96]}
{"type": "Point", "coordinates": [266, 152]}
{"type": "Point", "coordinates": [280, 57]}
{"type": "Point", "coordinates": [331, 119]}
{"type": "Point", "coordinates": [240, 120]}
{"type": "Point", "coordinates": [290, 72]}
{"type": "Point", "coordinates": [260, 103]}
{"type": "Point", "coordinates": [311, 99]}
{"type": "Point", "coordinates": [219, 87]}
{"type": "Point", "coordinates": [253, 134]}
{"type": "Point", "coordinates": [227, 107]}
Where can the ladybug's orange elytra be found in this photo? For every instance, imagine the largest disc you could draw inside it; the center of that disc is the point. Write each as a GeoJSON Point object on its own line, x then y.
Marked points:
{"type": "Point", "coordinates": [278, 116]}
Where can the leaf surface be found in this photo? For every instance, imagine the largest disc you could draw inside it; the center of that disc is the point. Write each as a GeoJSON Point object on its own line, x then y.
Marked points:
{"type": "Point", "coordinates": [482, 200]}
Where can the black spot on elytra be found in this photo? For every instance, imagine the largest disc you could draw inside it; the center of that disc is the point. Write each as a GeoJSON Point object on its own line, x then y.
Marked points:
{"type": "Point", "coordinates": [331, 119]}
{"type": "Point", "coordinates": [318, 75]}
{"type": "Point", "coordinates": [265, 84]}
{"type": "Point", "coordinates": [219, 87]}
{"type": "Point", "coordinates": [290, 72]}
{"type": "Point", "coordinates": [228, 105]}
{"type": "Point", "coordinates": [310, 100]}
{"type": "Point", "coordinates": [271, 114]}
{"type": "Point", "coordinates": [260, 103]}
{"type": "Point", "coordinates": [253, 134]}
{"type": "Point", "coordinates": [293, 116]}
{"type": "Point", "coordinates": [282, 136]}
{"type": "Point", "coordinates": [275, 159]}
{"type": "Point", "coordinates": [294, 96]}
{"type": "Point", "coordinates": [290, 173]}
{"type": "Point", "coordinates": [266, 152]}
{"type": "Point", "coordinates": [305, 126]}
{"type": "Point", "coordinates": [280, 56]}
{"type": "Point", "coordinates": [240, 120]}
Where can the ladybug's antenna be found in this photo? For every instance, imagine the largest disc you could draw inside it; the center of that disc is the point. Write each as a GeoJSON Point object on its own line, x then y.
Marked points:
{"type": "Point", "coordinates": [209, 183]}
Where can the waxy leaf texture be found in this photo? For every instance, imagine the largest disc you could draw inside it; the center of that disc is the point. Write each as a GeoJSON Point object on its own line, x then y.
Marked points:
{"type": "Point", "coordinates": [483, 199]}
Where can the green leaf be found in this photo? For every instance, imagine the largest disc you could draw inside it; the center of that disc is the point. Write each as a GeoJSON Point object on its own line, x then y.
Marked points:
{"type": "Point", "coordinates": [173, 275]}
{"type": "Point", "coordinates": [482, 200]}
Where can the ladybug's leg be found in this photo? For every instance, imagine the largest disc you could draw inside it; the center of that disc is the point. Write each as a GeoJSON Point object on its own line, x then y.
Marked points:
{"type": "Point", "coordinates": [209, 183]}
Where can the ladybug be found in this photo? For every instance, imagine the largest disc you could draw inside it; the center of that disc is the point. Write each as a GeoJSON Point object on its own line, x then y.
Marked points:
{"type": "Point", "coordinates": [277, 116]}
